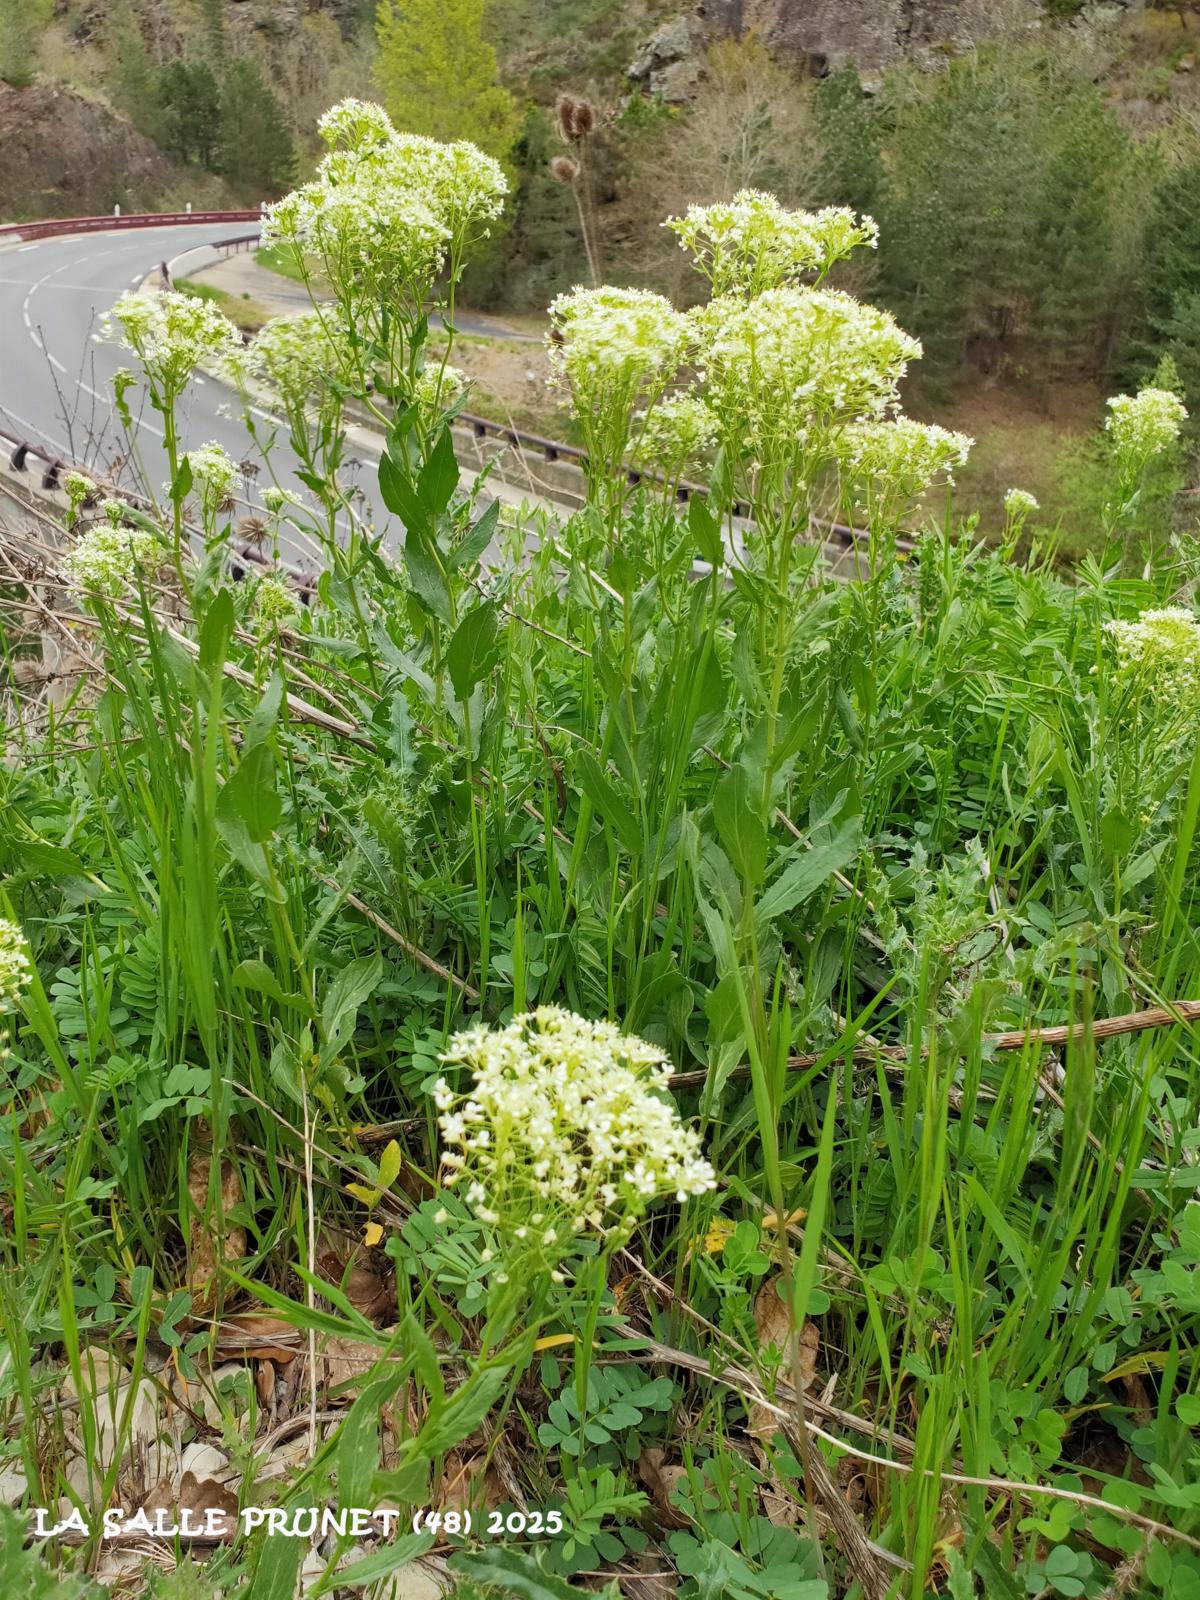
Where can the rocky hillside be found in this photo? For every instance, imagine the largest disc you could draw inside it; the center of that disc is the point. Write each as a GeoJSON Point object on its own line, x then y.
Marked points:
{"type": "Point", "coordinates": [873, 34]}
{"type": "Point", "coordinates": [67, 156]}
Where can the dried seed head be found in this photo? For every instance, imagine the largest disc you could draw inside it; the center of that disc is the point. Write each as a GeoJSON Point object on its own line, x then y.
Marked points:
{"type": "Point", "coordinates": [576, 118]}
{"type": "Point", "coordinates": [564, 170]}
{"type": "Point", "coordinates": [252, 531]}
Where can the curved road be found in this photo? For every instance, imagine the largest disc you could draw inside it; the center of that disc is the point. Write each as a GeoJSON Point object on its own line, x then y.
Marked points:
{"type": "Point", "coordinates": [56, 371]}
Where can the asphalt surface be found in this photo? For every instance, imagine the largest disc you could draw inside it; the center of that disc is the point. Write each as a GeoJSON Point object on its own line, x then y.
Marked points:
{"type": "Point", "coordinates": [56, 370]}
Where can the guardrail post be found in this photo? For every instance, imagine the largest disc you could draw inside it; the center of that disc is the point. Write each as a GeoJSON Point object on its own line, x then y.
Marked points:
{"type": "Point", "coordinates": [50, 476]}
{"type": "Point", "coordinates": [17, 460]}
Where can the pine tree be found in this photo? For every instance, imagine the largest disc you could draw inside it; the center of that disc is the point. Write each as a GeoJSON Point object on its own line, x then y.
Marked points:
{"type": "Point", "coordinates": [437, 74]}
{"type": "Point", "coordinates": [850, 171]}
{"type": "Point", "coordinates": [131, 75]}
{"type": "Point", "coordinates": [189, 110]}
{"type": "Point", "coordinates": [1169, 320]}
{"type": "Point", "coordinates": [255, 150]}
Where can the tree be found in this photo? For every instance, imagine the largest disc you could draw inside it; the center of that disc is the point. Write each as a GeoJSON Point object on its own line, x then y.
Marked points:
{"type": "Point", "coordinates": [750, 127]}
{"type": "Point", "coordinates": [131, 76]}
{"type": "Point", "coordinates": [190, 111]}
{"type": "Point", "coordinates": [255, 150]}
{"type": "Point", "coordinates": [1001, 236]}
{"type": "Point", "coordinates": [437, 74]}
{"type": "Point", "coordinates": [850, 166]}
{"type": "Point", "coordinates": [1169, 319]}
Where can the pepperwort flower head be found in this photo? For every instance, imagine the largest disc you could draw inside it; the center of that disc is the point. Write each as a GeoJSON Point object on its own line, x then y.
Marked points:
{"type": "Point", "coordinates": [567, 1125]}
{"type": "Point", "coordinates": [274, 601]}
{"type": "Point", "coordinates": [749, 244]}
{"type": "Point", "coordinates": [1143, 425]}
{"type": "Point", "coordinates": [15, 967]}
{"type": "Point", "coordinates": [902, 455]}
{"type": "Point", "coordinates": [172, 334]}
{"type": "Point", "coordinates": [108, 558]}
{"type": "Point", "coordinates": [78, 487]}
{"type": "Point", "coordinates": [795, 359]}
{"type": "Point", "coordinates": [385, 208]}
{"type": "Point", "coordinates": [676, 434]}
{"type": "Point", "coordinates": [214, 472]}
{"type": "Point", "coordinates": [1162, 647]}
{"type": "Point", "coordinates": [615, 349]}
{"type": "Point", "coordinates": [1019, 504]}
{"type": "Point", "coordinates": [439, 386]}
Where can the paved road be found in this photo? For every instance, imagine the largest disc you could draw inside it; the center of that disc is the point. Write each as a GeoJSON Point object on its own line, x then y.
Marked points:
{"type": "Point", "coordinates": [56, 372]}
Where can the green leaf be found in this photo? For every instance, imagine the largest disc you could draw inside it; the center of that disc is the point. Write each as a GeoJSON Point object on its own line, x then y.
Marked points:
{"type": "Point", "coordinates": [358, 1445]}
{"type": "Point", "coordinates": [601, 791]}
{"type": "Point", "coordinates": [257, 976]}
{"type": "Point", "coordinates": [808, 871]}
{"type": "Point", "coordinates": [439, 476]}
{"type": "Point", "coordinates": [396, 487]}
{"type": "Point", "coordinates": [739, 823]}
{"type": "Point", "coordinates": [705, 530]}
{"type": "Point", "coordinates": [181, 484]}
{"type": "Point", "coordinates": [216, 631]}
{"type": "Point", "coordinates": [473, 650]}
{"type": "Point", "coordinates": [476, 541]}
{"type": "Point", "coordinates": [462, 1413]}
{"type": "Point", "coordinates": [248, 799]}
{"type": "Point", "coordinates": [512, 1571]}
{"type": "Point", "coordinates": [265, 713]}
{"type": "Point", "coordinates": [357, 979]}
{"type": "Point", "coordinates": [379, 1563]}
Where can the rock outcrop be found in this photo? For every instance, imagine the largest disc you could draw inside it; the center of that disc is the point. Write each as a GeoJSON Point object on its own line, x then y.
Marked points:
{"type": "Point", "coordinates": [823, 34]}
{"type": "Point", "coordinates": [62, 155]}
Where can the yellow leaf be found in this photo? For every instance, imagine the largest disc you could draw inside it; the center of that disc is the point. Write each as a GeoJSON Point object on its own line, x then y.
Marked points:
{"type": "Point", "coordinates": [552, 1340]}
{"type": "Point", "coordinates": [372, 1234]}
{"type": "Point", "coordinates": [389, 1165]}
{"type": "Point", "coordinates": [369, 1197]}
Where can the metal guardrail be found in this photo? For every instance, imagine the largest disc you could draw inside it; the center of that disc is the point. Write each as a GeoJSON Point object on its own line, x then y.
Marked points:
{"type": "Point", "coordinates": [166, 219]}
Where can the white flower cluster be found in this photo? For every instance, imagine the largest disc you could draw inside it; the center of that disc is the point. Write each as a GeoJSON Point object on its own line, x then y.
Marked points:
{"type": "Point", "coordinates": [568, 1125]}
{"type": "Point", "coordinates": [902, 455]}
{"type": "Point", "coordinates": [78, 486]}
{"type": "Point", "coordinates": [439, 386]}
{"type": "Point", "coordinates": [172, 334]}
{"type": "Point", "coordinates": [299, 356]}
{"type": "Point", "coordinates": [274, 601]}
{"type": "Point", "coordinates": [1145, 424]}
{"type": "Point", "coordinates": [1162, 647]}
{"type": "Point", "coordinates": [794, 358]}
{"type": "Point", "coordinates": [108, 558]}
{"type": "Point", "coordinates": [751, 243]}
{"type": "Point", "coordinates": [677, 433]}
{"type": "Point", "coordinates": [15, 966]}
{"type": "Point", "coordinates": [1019, 504]}
{"type": "Point", "coordinates": [386, 208]}
{"type": "Point", "coordinates": [214, 472]}
{"type": "Point", "coordinates": [616, 339]}
{"type": "Point", "coordinates": [275, 499]}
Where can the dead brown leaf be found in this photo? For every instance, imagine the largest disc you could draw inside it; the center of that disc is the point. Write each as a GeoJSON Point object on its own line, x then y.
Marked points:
{"type": "Point", "coordinates": [259, 1335]}
{"type": "Point", "coordinates": [212, 1507]}
{"type": "Point", "coordinates": [203, 1234]}
{"type": "Point", "coordinates": [773, 1319]}
{"type": "Point", "coordinates": [340, 1361]}
{"type": "Point", "coordinates": [660, 1480]}
{"type": "Point", "coordinates": [471, 1483]}
{"type": "Point", "coordinates": [365, 1276]}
